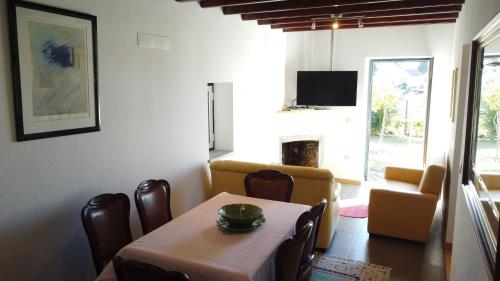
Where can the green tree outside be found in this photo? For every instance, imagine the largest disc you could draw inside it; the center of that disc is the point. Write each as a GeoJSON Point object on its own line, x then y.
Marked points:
{"type": "Point", "coordinates": [493, 103]}
{"type": "Point", "coordinates": [383, 109]}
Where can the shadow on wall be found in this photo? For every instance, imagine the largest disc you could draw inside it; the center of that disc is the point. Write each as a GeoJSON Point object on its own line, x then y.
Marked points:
{"type": "Point", "coordinates": [24, 241]}
{"type": "Point", "coordinates": [185, 196]}
{"type": "Point", "coordinates": [25, 238]}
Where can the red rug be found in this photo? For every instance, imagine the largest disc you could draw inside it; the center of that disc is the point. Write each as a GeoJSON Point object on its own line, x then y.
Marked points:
{"type": "Point", "coordinates": [357, 211]}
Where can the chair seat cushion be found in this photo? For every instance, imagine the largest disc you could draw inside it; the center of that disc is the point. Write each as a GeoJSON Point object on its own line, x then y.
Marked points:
{"type": "Point", "coordinates": [397, 186]}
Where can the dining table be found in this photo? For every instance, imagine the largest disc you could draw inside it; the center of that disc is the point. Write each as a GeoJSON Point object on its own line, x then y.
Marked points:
{"type": "Point", "coordinates": [194, 244]}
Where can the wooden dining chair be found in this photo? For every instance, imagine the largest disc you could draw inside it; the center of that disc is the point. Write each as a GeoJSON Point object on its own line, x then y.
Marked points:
{"type": "Point", "coordinates": [152, 199]}
{"type": "Point", "coordinates": [269, 184]}
{"type": "Point", "coordinates": [289, 254]}
{"type": "Point", "coordinates": [105, 219]}
{"type": "Point", "coordinates": [131, 270]}
{"type": "Point", "coordinates": [314, 215]}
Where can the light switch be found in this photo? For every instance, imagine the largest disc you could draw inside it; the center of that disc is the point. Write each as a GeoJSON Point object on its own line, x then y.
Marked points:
{"type": "Point", "coordinates": [153, 41]}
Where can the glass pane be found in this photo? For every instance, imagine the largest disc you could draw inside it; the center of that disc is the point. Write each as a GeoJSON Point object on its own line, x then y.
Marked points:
{"type": "Point", "coordinates": [487, 143]}
{"type": "Point", "coordinates": [399, 91]}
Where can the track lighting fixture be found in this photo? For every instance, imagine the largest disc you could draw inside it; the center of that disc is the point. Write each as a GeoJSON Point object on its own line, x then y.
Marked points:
{"type": "Point", "coordinates": [335, 24]}
{"type": "Point", "coordinates": [360, 23]}
{"type": "Point", "coordinates": [313, 25]}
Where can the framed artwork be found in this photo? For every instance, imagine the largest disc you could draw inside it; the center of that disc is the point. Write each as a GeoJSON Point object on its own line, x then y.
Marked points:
{"type": "Point", "coordinates": [454, 85]}
{"type": "Point", "coordinates": [54, 69]}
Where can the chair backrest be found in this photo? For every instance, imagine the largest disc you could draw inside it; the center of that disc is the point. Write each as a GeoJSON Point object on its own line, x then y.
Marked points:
{"type": "Point", "coordinates": [313, 215]}
{"type": "Point", "coordinates": [131, 270]}
{"type": "Point", "coordinates": [289, 254]}
{"type": "Point", "coordinates": [105, 219]}
{"type": "Point", "coordinates": [432, 179]}
{"type": "Point", "coordinates": [269, 184]}
{"type": "Point", "coordinates": [152, 199]}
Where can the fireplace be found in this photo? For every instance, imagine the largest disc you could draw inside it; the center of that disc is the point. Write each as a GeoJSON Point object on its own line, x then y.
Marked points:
{"type": "Point", "coordinates": [300, 152]}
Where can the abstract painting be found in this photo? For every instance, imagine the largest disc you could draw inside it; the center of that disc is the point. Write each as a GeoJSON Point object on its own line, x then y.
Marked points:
{"type": "Point", "coordinates": [55, 71]}
{"type": "Point", "coordinates": [59, 76]}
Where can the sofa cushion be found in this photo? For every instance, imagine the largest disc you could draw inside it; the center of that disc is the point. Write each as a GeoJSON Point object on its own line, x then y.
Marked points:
{"type": "Point", "coordinates": [432, 180]}
{"type": "Point", "coordinates": [397, 186]}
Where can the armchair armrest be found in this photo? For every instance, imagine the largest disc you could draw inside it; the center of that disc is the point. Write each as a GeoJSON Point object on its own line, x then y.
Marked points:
{"type": "Point", "coordinates": [406, 215]}
{"type": "Point", "coordinates": [403, 174]}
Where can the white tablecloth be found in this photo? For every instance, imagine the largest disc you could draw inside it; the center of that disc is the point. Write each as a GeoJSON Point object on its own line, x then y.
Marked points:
{"type": "Point", "coordinates": [193, 244]}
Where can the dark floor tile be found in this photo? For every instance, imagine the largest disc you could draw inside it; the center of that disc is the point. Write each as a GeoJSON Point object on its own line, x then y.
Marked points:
{"type": "Point", "coordinates": [362, 242]}
{"type": "Point", "coordinates": [342, 243]}
{"type": "Point", "coordinates": [359, 255]}
{"type": "Point", "coordinates": [351, 225]}
{"type": "Point", "coordinates": [339, 252]}
{"type": "Point", "coordinates": [408, 260]}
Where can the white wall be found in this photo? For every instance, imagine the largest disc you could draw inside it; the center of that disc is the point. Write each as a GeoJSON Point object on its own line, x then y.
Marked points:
{"type": "Point", "coordinates": [345, 128]}
{"type": "Point", "coordinates": [154, 125]}
{"type": "Point", "coordinates": [474, 16]}
{"type": "Point", "coordinates": [223, 116]}
{"type": "Point", "coordinates": [467, 262]}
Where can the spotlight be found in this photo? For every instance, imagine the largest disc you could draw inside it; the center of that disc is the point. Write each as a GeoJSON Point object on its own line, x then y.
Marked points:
{"type": "Point", "coordinates": [313, 25]}
{"type": "Point", "coordinates": [335, 24]}
{"type": "Point", "coordinates": [360, 23]}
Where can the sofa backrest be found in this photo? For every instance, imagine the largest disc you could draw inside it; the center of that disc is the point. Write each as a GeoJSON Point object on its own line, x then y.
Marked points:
{"type": "Point", "coordinates": [229, 175]}
{"type": "Point", "coordinates": [303, 172]}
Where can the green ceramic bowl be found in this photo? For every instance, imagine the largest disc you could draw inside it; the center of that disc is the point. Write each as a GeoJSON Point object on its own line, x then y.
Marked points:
{"type": "Point", "coordinates": [240, 215]}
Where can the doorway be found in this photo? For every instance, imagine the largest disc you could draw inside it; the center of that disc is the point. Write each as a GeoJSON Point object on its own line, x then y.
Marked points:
{"type": "Point", "coordinates": [220, 119]}
{"type": "Point", "coordinates": [398, 111]}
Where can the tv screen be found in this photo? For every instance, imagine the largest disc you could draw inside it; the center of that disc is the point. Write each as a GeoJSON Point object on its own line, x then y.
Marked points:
{"type": "Point", "coordinates": [327, 88]}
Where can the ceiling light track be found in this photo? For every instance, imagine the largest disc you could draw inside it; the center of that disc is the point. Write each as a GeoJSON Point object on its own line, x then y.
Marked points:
{"type": "Point", "coordinates": [336, 21]}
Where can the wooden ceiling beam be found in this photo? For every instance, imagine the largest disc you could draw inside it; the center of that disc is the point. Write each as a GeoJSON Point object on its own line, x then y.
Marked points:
{"type": "Point", "coordinates": [226, 3]}
{"type": "Point", "coordinates": [222, 3]}
{"type": "Point", "coordinates": [295, 5]}
{"type": "Point", "coordinates": [351, 26]}
{"type": "Point", "coordinates": [386, 6]}
{"type": "Point", "coordinates": [381, 20]}
{"type": "Point", "coordinates": [376, 14]}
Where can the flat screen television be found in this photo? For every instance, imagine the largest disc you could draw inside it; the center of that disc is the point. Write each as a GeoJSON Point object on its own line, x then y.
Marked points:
{"type": "Point", "coordinates": [327, 88]}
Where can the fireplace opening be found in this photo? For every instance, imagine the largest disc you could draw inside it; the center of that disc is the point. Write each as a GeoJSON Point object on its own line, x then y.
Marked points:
{"type": "Point", "coordinates": [300, 153]}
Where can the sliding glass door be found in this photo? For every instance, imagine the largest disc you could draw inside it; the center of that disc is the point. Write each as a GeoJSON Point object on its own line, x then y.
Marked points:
{"type": "Point", "coordinates": [398, 114]}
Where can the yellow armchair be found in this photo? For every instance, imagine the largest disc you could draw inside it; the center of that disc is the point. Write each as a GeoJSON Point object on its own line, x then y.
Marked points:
{"type": "Point", "coordinates": [403, 205]}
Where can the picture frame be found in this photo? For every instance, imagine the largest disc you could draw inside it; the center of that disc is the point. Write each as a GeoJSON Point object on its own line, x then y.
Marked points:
{"type": "Point", "coordinates": [54, 71]}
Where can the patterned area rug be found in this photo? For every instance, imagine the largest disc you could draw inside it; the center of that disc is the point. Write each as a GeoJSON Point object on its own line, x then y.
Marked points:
{"type": "Point", "coordinates": [330, 268]}
{"type": "Point", "coordinates": [357, 211]}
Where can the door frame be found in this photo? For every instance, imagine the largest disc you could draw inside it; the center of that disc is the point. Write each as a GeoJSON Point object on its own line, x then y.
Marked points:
{"type": "Point", "coordinates": [211, 116]}
{"type": "Point", "coordinates": [369, 105]}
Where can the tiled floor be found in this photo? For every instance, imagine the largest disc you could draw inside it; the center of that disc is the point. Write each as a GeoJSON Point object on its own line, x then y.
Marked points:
{"type": "Point", "coordinates": [408, 260]}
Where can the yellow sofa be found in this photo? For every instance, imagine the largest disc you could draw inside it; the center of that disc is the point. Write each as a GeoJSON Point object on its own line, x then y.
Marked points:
{"type": "Point", "coordinates": [310, 186]}
{"type": "Point", "coordinates": [403, 205]}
